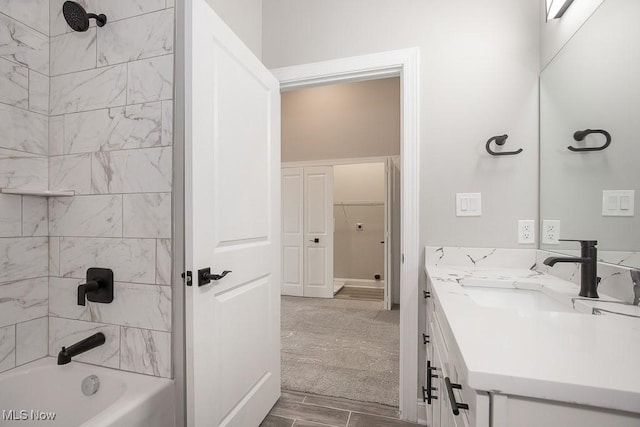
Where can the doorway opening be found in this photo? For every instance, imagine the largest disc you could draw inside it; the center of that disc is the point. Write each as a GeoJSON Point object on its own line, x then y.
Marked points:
{"type": "Point", "coordinates": [366, 212]}
{"type": "Point", "coordinates": [404, 64]}
{"type": "Point", "coordinates": [338, 240]}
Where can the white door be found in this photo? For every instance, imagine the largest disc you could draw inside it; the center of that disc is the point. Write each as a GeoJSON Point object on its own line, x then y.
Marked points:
{"type": "Point", "coordinates": [318, 235]}
{"type": "Point", "coordinates": [388, 276]}
{"type": "Point", "coordinates": [292, 231]}
{"type": "Point", "coordinates": [232, 222]}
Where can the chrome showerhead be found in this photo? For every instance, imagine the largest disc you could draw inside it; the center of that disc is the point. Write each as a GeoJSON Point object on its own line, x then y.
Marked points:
{"type": "Point", "coordinates": [78, 18]}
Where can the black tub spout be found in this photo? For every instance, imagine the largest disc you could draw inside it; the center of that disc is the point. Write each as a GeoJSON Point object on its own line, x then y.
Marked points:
{"type": "Point", "coordinates": [80, 347]}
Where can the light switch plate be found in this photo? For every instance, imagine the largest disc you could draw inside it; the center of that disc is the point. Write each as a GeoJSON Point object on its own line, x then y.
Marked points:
{"type": "Point", "coordinates": [618, 202]}
{"type": "Point", "coordinates": [468, 204]}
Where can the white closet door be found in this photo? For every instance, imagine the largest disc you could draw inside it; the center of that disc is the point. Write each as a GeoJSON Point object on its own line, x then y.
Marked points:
{"type": "Point", "coordinates": [293, 231]}
{"type": "Point", "coordinates": [232, 221]}
{"type": "Point", "coordinates": [318, 235]}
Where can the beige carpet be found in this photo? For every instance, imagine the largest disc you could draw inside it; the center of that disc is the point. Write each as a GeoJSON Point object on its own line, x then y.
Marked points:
{"type": "Point", "coordinates": [342, 348]}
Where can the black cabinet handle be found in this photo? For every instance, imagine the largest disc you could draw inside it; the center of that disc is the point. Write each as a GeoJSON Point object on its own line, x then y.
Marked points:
{"type": "Point", "coordinates": [455, 406]}
{"type": "Point", "coordinates": [430, 388]}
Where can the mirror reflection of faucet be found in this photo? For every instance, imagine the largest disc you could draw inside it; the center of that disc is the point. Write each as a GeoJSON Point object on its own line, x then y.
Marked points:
{"type": "Point", "coordinates": [99, 286]}
{"type": "Point", "coordinates": [588, 259]}
{"type": "Point", "coordinates": [635, 277]}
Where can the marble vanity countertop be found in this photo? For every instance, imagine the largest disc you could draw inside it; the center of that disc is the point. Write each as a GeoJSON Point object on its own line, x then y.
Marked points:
{"type": "Point", "coordinates": [573, 357]}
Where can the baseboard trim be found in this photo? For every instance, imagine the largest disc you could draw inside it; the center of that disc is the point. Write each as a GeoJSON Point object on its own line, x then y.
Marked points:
{"type": "Point", "coordinates": [362, 283]}
{"type": "Point", "coordinates": [422, 412]}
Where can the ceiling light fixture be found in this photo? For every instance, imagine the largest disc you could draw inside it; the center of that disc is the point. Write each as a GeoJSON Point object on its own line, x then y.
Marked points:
{"type": "Point", "coordinates": [557, 8]}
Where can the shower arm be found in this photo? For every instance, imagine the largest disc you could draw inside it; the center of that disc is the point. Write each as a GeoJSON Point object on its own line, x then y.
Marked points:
{"type": "Point", "coordinates": [100, 19]}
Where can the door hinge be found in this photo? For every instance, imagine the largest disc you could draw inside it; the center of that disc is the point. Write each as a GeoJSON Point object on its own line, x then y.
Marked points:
{"type": "Point", "coordinates": [425, 339]}
{"type": "Point", "coordinates": [189, 278]}
{"type": "Point", "coordinates": [426, 294]}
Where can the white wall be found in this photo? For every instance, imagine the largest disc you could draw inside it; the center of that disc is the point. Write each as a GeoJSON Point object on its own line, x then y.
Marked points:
{"type": "Point", "coordinates": [557, 32]}
{"type": "Point", "coordinates": [349, 120]}
{"type": "Point", "coordinates": [479, 78]}
{"type": "Point", "coordinates": [358, 254]}
{"type": "Point", "coordinates": [245, 19]}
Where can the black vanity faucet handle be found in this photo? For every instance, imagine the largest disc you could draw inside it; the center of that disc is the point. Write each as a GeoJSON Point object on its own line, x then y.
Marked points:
{"type": "Point", "coordinates": [455, 406]}
{"type": "Point", "coordinates": [84, 289]}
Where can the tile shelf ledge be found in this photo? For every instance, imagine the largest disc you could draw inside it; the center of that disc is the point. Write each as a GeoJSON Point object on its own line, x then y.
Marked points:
{"type": "Point", "coordinates": [42, 193]}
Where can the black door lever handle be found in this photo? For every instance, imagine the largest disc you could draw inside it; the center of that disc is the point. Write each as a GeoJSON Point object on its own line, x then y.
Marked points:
{"type": "Point", "coordinates": [205, 277]}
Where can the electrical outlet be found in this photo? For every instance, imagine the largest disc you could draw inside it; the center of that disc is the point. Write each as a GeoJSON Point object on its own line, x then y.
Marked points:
{"type": "Point", "coordinates": [551, 232]}
{"type": "Point", "coordinates": [526, 231]}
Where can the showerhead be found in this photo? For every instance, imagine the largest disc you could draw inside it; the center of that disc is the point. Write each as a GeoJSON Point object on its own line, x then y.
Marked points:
{"type": "Point", "coordinates": [78, 18]}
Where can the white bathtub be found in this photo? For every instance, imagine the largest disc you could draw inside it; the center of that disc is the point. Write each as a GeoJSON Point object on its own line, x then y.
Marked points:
{"type": "Point", "coordinates": [123, 400]}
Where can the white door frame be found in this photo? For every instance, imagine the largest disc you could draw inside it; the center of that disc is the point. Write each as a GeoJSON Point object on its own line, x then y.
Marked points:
{"type": "Point", "coordinates": [402, 63]}
{"type": "Point", "coordinates": [388, 280]}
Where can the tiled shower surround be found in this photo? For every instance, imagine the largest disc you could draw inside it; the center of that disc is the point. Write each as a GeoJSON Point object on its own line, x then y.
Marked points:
{"type": "Point", "coordinates": [109, 118]}
{"type": "Point", "coordinates": [24, 104]}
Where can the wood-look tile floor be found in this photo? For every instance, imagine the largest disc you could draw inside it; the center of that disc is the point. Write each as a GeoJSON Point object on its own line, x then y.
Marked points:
{"type": "Point", "coordinates": [307, 410]}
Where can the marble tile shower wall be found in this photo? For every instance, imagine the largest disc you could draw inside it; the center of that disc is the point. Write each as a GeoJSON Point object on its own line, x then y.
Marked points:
{"type": "Point", "coordinates": [95, 116]}
{"type": "Point", "coordinates": [110, 140]}
{"type": "Point", "coordinates": [24, 105]}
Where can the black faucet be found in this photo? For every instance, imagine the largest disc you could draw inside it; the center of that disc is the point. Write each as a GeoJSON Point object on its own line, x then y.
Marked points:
{"type": "Point", "coordinates": [589, 279]}
{"type": "Point", "coordinates": [86, 344]}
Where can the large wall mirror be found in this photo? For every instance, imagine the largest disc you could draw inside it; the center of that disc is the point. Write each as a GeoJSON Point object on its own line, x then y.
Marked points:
{"type": "Point", "coordinates": [593, 87]}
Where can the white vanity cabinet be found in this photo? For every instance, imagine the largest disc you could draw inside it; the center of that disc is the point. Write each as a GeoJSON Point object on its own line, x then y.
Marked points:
{"type": "Point", "coordinates": [490, 408]}
{"type": "Point", "coordinates": [444, 374]}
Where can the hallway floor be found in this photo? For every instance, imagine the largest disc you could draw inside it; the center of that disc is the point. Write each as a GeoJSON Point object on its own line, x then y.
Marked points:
{"type": "Point", "coordinates": [341, 348]}
{"type": "Point", "coordinates": [307, 410]}
{"type": "Point", "coordinates": [360, 293]}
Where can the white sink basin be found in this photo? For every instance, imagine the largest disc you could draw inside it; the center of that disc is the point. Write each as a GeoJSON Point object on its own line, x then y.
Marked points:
{"type": "Point", "coordinates": [520, 299]}
{"type": "Point", "coordinates": [504, 293]}
{"type": "Point", "coordinates": [531, 296]}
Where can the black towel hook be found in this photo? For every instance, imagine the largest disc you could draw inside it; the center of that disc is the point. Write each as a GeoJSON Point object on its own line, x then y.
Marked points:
{"type": "Point", "coordinates": [581, 134]}
{"type": "Point", "coordinates": [500, 140]}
